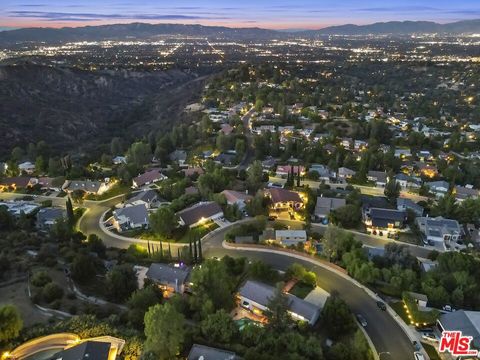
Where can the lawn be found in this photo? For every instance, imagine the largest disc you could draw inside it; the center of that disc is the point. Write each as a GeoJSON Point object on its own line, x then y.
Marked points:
{"type": "Point", "coordinates": [431, 351]}
{"type": "Point", "coordinates": [181, 236]}
{"type": "Point", "coordinates": [400, 310]}
{"type": "Point", "coordinates": [115, 190]}
{"type": "Point", "coordinates": [301, 290]}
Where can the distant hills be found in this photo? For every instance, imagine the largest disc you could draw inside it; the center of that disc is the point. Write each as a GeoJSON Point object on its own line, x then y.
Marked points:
{"type": "Point", "coordinates": [143, 31]}
{"type": "Point", "coordinates": [401, 28]}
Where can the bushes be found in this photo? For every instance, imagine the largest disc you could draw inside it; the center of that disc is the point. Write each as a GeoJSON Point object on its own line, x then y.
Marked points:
{"type": "Point", "coordinates": [40, 279]}
{"type": "Point", "coordinates": [52, 292]}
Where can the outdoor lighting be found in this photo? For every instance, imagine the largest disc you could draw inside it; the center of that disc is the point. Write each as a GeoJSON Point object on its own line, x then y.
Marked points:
{"type": "Point", "coordinates": [5, 355]}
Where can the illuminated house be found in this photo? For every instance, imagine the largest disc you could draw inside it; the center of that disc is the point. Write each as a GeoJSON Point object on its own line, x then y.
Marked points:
{"type": "Point", "coordinates": [170, 278]}
{"type": "Point", "coordinates": [255, 297]}
{"type": "Point", "coordinates": [147, 178]}
{"type": "Point", "coordinates": [199, 214]}
{"type": "Point", "coordinates": [284, 199]}
{"type": "Point", "coordinates": [89, 186]}
{"type": "Point", "coordinates": [284, 170]}
{"type": "Point", "coordinates": [19, 182]}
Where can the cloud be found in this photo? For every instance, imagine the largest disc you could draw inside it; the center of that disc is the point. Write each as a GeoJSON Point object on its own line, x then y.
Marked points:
{"type": "Point", "coordinates": [65, 16]}
{"type": "Point", "coordinates": [398, 9]}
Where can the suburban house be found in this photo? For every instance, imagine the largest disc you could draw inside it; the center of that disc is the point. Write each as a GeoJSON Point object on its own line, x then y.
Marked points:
{"type": "Point", "coordinates": [236, 198]}
{"type": "Point", "coordinates": [290, 237]}
{"type": "Point", "coordinates": [27, 167]}
{"type": "Point", "coordinates": [199, 213]}
{"type": "Point", "coordinates": [439, 232]}
{"type": "Point", "coordinates": [406, 204]}
{"type": "Point", "coordinates": [48, 183]}
{"type": "Point", "coordinates": [169, 278]}
{"type": "Point", "coordinates": [19, 182]}
{"type": "Point", "coordinates": [149, 198]}
{"type": "Point", "coordinates": [325, 205]}
{"type": "Point", "coordinates": [101, 348]}
{"type": "Point", "coordinates": [465, 192]}
{"type": "Point", "coordinates": [178, 156]}
{"type": "Point", "coordinates": [402, 153]}
{"type": "Point", "coordinates": [148, 177]}
{"type": "Point", "coordinates": [345, 173]}
{"type": "Point", "coordinates": [131, 217]}
{"type": "Point", "coordinates": [284, 170]}
{"type": "Point", "coordinates": [90, 187]}
{"type": "Point", "coordinates": [16, 208]}
{"type": "Point", "coordinates": [118, 160]}
{"type": "Point", "coordinates": [225, 158]}
{"type": "Point", "coordinates": [438, 188]}
{"type": "Point", "coordinates": [405, 181]}
{"type": "Point", "coordinates": [202, 352]}
{"type": "Point", "coordinates": [284, 199]}
{"type": "Point", "coordinates": [468, 322]}
{"type": "Point", "coordinates": [191, 171]}
{"type": "Point", "coordinates": [426, 264]}
{"type": "Point", "coordinates": [324, 172]}
{"type": "Point", "coordinates": [3, 167]}
{"type": "Point", "coordinates": [378, 177]}
{"type": "Point", "coordinates": [47, 217]}
{"type": "Point", "coordinates": [385, 218]}
{"type": "Point", "coordinates": [255, 297]}
{"type": "Point", "coordinates": [420, 299]}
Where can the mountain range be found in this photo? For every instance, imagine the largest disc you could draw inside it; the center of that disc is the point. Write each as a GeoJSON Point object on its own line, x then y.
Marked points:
{"type": "Point", "coordinates": [143, 31]}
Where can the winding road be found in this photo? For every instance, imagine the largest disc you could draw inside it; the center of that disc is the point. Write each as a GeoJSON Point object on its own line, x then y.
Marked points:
{"type": "Point", "coordinates": [384, 331]}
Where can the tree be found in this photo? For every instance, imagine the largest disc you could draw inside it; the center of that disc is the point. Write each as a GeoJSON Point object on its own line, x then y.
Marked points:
{"type": "Point", "coordinates": [337, 317]}
{"type": "Point", "coordinates": [121, 282]}
{"type": "Point", "coordinates": [164, 221]}
{"type": "Point", "coordinates": [139, 303]}
{"type": "Point", "coordinates": [10, 322]}
{"type": "Point", "coordinates": [278, 318]}
{"type": "Point", "coordinates": [219, 327]}
{"type": "Point", "coordinates": [55, 167]}
{"type": "Point", "coordinates": [348, 216]}
{"type": "Point", "coordinates": [212, 285]}
{"type": "Point", "coordinates": [52, 292]}
{"type": "Point", "coordinates": [164, 331]}
{"type": "Point", "coordinates": [96, 245]}
{"type": "Point", "coordinates": [337, 241]}
{"type": "Point", "coordinates": [392, 190]}
{"type": "Point", "coordinates": [83, 268]}
{"type": "Point", "coordinates": [255, 177]}
{"type": "Point", "coordinates": [78, 195]}
{"type": "Point", "coordinates": [139, 154]}
{"type": "Point", "coordinates": [70, 213]}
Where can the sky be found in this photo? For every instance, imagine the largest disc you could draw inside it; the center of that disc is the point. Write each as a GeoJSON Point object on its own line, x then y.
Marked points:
{"type": "Point", "coordinates": [273, 14]}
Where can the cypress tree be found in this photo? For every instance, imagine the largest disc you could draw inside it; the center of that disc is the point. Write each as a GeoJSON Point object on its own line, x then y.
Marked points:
{"type": "Point", "coordinates": [70, 213]}
{"type": "Point", "coordinates": [148, 245]}
{"type": "Point", "coordinates": [178, 254]}
{"type": "Point", "coordinates": [200, 256]}
{"type": "Point", "coordinates": [190, 249]}
{"type": "Point", "coordinates": [161, 249]}
{"type": "Point", "coordinates": [169, 251]}
{"type": "Point", "coordinates": [195, 257]}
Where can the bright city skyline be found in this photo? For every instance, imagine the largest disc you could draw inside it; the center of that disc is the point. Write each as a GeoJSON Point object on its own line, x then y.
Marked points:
{"type": "Point", "coordinates": [280, 14]}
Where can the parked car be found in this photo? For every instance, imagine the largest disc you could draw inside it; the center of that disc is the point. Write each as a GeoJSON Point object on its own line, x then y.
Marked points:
{"type": "Point", "coordinates": [416, 346]}
{"type": "Point", "coordinates": [418, 355]}
{"type": "Point", "coordinates": [429, 336]}
{"type": "Point", "coordinates": [362, 320]}
{"type": "Point", "coordinates": [381, 305]}
{"type": "Point", "coordinates": [448, 308]}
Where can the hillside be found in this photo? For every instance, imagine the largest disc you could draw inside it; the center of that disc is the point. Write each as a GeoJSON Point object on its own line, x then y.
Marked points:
{"type": "Point", "coordinates": [78, 110]}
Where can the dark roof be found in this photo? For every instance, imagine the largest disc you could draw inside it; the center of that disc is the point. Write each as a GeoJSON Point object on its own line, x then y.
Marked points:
{"type": "Point", "coordinates": [148, 177]}
{"type": "Point", "coordinates": [382, 217]}
{"type": "Point", "coordinates": [88, 350]}
{"type": "Point", "coordinates": [137, 214]}
{"type": "Point", "coordinates": [325, 205]}
{"type": "Point", "coordinates": [19, 181]}
{"type": "Point", "coordinates": [85, 185]}
{"type": "Point", "coordinates": [146, 196]}
{"type": "Point", "coordinates": [203, 352]}
{"type": "Point", "coordinates": [195, 213]}
{"type": "Point", "coordinates": [468, 322]}
{"type": "Point", "coordinates": [49, 214]}
{"type": "Point", "coordinates": [375, 202]}
{"type": "Point", "coordinates": [168, 274]}
{"type": "Point", "coordinates": [283, 195]}
{"type": "Point", "coordinates": [378, 176]}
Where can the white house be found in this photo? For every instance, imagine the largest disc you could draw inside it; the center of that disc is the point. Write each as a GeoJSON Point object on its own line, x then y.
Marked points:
{"type": "Point", "coordinates": [27, 167]}
{"type": "Point", "coordinates": [290, 237]}
{"type": "Point", "coordinates": [131, 217]}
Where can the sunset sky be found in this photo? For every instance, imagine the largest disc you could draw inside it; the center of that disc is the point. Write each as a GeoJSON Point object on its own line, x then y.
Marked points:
{"type": "Point", "coordinates": [278, 14]}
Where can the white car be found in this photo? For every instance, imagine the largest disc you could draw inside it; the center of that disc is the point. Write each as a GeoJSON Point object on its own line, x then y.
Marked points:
{"type": "Point", "coordinates": [418, 355]}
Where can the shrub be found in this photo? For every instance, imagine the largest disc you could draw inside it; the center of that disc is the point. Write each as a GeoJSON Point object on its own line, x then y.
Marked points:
{"type": "Point", "coordinates": [40, 279]}
{"type": "Point", "coordinates": [52, 292]}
